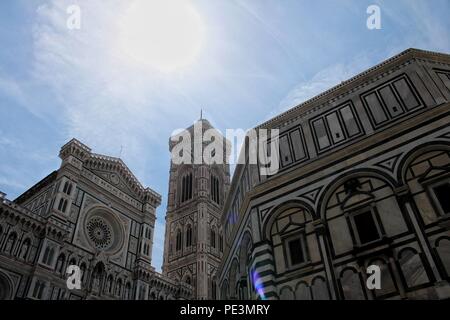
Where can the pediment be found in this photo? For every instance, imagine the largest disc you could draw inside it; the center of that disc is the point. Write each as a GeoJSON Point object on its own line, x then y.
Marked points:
{"type": "Point", "coordinates": [116, 173]}
{"type": "Point", "coordinates": [114, 179]}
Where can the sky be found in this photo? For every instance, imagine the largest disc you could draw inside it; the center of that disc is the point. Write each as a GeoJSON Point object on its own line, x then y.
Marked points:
{"type": "Point", "coordinates": [240, 61]}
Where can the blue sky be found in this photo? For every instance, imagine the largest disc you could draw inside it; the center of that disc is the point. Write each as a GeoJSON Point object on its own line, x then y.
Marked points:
{"type": "Point", "coordinates": [258, 58]}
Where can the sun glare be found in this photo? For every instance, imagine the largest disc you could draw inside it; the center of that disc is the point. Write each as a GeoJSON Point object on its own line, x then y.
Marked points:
{"type": "Point", "coordinates": [163, 34]}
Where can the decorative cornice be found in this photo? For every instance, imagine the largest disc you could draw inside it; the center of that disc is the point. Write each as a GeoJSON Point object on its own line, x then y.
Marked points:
{"type": "Point", "coordinates": [409, 54]}
{"type": "Point", "coordinates": [99, 161]}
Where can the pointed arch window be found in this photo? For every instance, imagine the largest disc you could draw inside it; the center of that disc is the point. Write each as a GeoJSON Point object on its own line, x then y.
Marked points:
{"type": "Point", "coordinates": [119, 288]}
{"type": "Point", "coordinates": [213, 290]}
{"type": "Point", "coordinates": [83, 271]}
{"type": "Point", "coordinates": [67, 188]}
{"type": "Point", "coordinates": [186, 187]}
{"type": "Point", "coordinates": [213, 238]}
{"type": "Point", "coordinates": [38, 291]}
{"type": "Point", "coordinates": [220, 242]}
{"type": "Point", "coordinates": [127, 291]}
{"type": "Point", "coordinates": [179, 242]}
{"type": "Point", "coordinates": [62, 205]}
{"type": "Point", "coordinates": [109, 285]}
{"type": "Point", "coordinates": [189, 236]}
{"type": "Point", "coordinates": [48, 255]}
{"type": "Point", "coordinates": [215, 189]}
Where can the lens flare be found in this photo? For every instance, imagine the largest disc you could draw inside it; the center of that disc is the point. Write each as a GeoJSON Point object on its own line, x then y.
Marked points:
{"type": "Point", "coordinates": [257, 282]}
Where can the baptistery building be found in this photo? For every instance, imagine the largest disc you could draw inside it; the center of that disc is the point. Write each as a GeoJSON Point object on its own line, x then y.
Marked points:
{"type": "Point", "coordinates": [90, 219]}
{"type": "Point", "coordinates": [363, 180]}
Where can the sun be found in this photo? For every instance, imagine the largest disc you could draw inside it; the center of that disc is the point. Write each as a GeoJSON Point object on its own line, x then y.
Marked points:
{"type": "Point", "coordinates": [166, 35]}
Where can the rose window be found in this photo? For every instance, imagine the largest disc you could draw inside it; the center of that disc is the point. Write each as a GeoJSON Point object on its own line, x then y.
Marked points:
{"type": "Point", "coordinates": [99, 232]}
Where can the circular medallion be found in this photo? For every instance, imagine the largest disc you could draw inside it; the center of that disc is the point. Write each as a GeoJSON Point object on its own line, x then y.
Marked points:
{"type": "Point", "coordinates": [114, 179]}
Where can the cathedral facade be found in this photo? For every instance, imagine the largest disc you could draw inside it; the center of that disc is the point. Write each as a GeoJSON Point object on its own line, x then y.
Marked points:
{"type": "Point", "coordinates": [363, 181]}
{"type": "Point", "coordinates": [91, 213]}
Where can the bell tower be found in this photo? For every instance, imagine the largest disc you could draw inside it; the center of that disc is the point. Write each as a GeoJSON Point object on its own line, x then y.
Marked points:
{"type": "Point", "coordinates": [198, 183]}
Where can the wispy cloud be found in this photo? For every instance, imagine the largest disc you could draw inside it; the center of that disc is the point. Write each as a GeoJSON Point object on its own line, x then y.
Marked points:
{"type": "Point", "coordinates": [429, 34]}
{"type": "Point", "coordinates": [101, 99]}
{"type": "Point", "coordinates": [322, 81]}
{"type": "Point", "coordinates": [104, 101]}
{"type": "Point", "coordinates": [418, 23]}
{"type": "Point", "coordinates": [261, 58]}
{"type": "Point", "coordinates": [11, 175]}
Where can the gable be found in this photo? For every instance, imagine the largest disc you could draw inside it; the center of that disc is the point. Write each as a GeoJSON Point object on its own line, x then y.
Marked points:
{"type": "Point", "coordinates": [117, 181]}
{"type": "Point", "coordinates": [116, 173]}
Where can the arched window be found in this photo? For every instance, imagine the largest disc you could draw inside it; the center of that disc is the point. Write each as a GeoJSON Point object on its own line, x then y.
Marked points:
{"type": "Point", "coordinates": [127, 291]}
{"type": "Point", "coordinates": [225, 291]}
{"type": "Point", "coordinates": [109, 285]}
{"type": "Point", "coordinates": [213, 290]}
{"type": "Point", "coordinates": [118, 288]}
{"type": "Point", "coordinates": [214, 189]}
{"type": "Point", "coordinates": [37, 285]}
{"type": "Point", "coordinates": [98, 276]}
{"type": "Point", "coordinates": [49, 253]}
{"type": "Point", "coordinates": [179, 243]}
{"type": "Point", "coordinates": [73, 262]}
{"type": "Point", "coordinates": [38, 291]}
{"type": "Point", "coordinates": [148, 233]}
{"type": "Point", "coordinates": [46, 253]}
{"type": "Point", "coordinates": [142, 293]}
{"type": "Point", "coordinates": [189, 236]}
{"type": "Point", "coordinates": [50, 256]}
{"type": "Point", "coordinates": [83, 271]}
{"type": "Point", "coordinates": [188, 280]}
{"type": "Point", "coordinates": [62, 206]}
{"type": "Point", "coordinates": [213, 238]}
{"type": "Point", "coordinates": [67, 188]}
{"type": "Point", "coordinates": [288, 230]}
{"type": "Point", "coordinates": [220, 242]}
{"type": "Point", "coordinates": [186, 187]}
